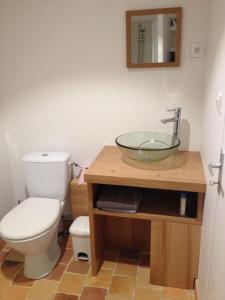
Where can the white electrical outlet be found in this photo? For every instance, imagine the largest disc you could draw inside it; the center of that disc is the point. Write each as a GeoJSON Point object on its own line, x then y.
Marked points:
{"type": "Point", "coordinates": [197, 50]}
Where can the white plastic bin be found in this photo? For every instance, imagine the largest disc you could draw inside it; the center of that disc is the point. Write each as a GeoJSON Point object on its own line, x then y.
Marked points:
{"type": "Point", "coordinates": [80, 232]}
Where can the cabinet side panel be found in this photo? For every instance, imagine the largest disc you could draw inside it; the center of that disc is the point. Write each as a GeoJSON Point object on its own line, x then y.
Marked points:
{"type": "Point", "coordinates": [201, 199]}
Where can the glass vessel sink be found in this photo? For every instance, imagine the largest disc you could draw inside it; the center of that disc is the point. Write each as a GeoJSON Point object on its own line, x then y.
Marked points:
{"type": "Point", "coordinates": [147, 146]}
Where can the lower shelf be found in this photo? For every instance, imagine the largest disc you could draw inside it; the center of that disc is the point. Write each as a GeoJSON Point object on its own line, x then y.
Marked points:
{"type": "Point", "coordinates": [147, 216]}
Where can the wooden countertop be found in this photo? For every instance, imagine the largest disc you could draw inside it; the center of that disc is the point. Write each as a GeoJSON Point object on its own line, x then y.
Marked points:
{"type": "Point", "coordinates": [182, 172]}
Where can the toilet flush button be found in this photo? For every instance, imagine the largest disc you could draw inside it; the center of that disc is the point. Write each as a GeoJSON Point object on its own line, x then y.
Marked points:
{"type": "Point", "coordinates": [44, 154]}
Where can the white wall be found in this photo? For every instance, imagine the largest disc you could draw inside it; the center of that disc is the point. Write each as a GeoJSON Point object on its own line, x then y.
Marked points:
{"type": "Point", "coordinates": [212, 135]}
{"type": "Point", "coordinates": [6, 184]}
{"type": "Point", "coordinates": [65, 84]}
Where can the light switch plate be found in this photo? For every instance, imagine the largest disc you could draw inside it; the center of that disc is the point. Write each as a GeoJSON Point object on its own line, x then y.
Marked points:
{"type": "Point", "coordinates": [197, 50]}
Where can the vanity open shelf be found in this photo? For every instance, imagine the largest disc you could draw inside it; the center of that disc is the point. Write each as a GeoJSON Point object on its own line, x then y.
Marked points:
{"type": "Point", "coordinates": [157, 227]}
{"type": "Point", "coordinates": [156, 205]}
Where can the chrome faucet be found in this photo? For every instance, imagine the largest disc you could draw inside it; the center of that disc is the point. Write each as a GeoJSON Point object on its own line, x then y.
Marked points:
{"type": "Point", "coordinates": [176, 119]}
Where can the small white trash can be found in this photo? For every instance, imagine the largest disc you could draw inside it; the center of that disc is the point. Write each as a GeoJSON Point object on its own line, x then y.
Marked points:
{"type": "Point", "coordinates": [80, 232]}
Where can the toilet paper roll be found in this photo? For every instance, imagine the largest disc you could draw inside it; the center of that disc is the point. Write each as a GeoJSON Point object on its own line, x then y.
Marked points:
{"type": "Point", "coordinates": [183, 204]}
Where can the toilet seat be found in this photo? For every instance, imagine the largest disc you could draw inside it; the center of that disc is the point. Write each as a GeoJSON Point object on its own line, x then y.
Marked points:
{"type": "Point", "coordinates": [32, 217]}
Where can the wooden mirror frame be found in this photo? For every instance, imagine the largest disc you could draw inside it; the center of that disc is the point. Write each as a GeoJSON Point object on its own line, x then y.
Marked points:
{"type": "Point", "coordinates": [171, 10]}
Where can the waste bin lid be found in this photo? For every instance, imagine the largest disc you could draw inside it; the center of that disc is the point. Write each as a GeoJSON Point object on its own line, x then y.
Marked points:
{"type": "Point", "coordinates": [80, 226]}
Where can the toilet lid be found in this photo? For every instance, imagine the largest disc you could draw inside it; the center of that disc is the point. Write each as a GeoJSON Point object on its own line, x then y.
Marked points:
{"type": "Point", "coordinates": [31, 218]}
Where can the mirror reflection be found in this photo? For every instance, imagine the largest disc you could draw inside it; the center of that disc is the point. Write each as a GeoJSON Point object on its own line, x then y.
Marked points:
{"type": "Point", "coordinates": [153, 38]}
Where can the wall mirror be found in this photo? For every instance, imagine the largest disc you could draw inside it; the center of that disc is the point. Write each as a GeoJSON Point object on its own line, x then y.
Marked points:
{"type": "Point", "coordinates": [153, 37]}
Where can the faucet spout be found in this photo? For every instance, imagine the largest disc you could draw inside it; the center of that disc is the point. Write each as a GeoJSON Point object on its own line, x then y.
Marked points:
{"type": "Point", "coordinates": [176, 119]}
{"type": "Point", "coordinates": [168, 120]}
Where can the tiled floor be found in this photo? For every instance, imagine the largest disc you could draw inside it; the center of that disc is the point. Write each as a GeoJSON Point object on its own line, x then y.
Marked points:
{"type": "Point", "coordinates": [123, 276]}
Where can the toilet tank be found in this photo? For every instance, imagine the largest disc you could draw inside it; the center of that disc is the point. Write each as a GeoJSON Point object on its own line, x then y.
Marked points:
{"type": "Point", "coordinates": [47, 174]}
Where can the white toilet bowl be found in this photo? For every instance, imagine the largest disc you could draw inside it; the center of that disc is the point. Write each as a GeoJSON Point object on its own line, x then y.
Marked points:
{"type": "Point", "coordinates": [31, 228]}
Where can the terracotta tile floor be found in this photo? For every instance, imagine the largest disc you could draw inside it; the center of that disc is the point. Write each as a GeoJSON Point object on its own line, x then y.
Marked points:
{"type": "Point", "coordinates": [124, 276]}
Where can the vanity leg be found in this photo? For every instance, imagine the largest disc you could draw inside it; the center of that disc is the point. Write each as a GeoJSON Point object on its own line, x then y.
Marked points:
{"type": "Point", "coordinates": [158, 253]}
{"type": "Point", "coordinates": [97, 231]}
{"type": "Point", "coordinates": [98, 242]}
{"type": "Point", "coordinates": [200, 207]}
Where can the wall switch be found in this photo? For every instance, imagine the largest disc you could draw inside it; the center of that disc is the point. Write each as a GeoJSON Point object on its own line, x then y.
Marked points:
{"type": "Point", "coordinates": [197, 50]}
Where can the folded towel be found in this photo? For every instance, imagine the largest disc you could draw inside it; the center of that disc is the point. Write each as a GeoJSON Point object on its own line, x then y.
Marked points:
{"type": "Point", "coordinates": [130, 211]}
{"type": "Point", "coordinates": [119, 199]}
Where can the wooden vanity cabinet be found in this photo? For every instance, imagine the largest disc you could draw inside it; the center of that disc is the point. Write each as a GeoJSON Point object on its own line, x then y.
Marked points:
{"type": "Point", "coordinates": [173, 240]}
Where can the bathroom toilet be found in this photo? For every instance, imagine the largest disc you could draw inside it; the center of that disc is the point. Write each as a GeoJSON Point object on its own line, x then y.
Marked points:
{"type": "Point", "coordinates": [32, 227]}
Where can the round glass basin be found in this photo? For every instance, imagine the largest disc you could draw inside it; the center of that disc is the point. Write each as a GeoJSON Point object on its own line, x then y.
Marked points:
{"type": "Point", "coordinates": [147, 146]}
